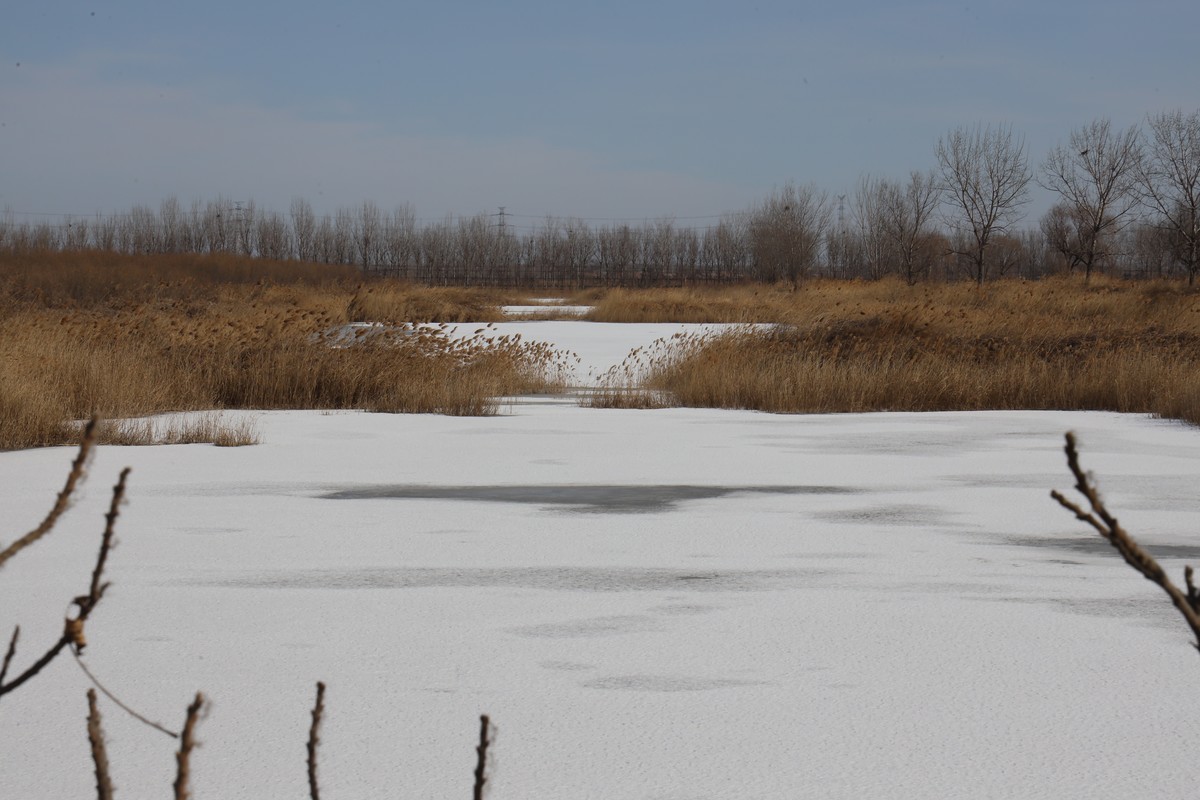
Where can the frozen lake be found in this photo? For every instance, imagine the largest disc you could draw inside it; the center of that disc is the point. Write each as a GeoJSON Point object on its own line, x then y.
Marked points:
{"type": "Point", "coordinates": [661, 604]}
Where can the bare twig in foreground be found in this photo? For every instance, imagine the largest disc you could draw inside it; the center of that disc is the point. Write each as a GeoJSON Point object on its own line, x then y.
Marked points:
{"type": "Point", "coordinates": [104, 788]}
{"type": "Point", "coordinates": [12, 651]}
{"type": "Point", "coordinates": [117, 700]}
{"type": "Point", "coordinates": [64, 497]}
{"type": "Point", "coordinates": [187, 742]}
{"type": "Point", "coordinates": [1107, 526]}
{"type": "Point", "coordinates": [481, 763]}
{"type": "Point", "coordinates": [314, 738]}
{"type": "Point", "coordinates": [73, 627]}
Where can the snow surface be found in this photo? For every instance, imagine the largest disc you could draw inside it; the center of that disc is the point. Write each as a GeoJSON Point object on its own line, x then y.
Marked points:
{"type": "Point", "coordinates": [576, 311]}
{"type": "Point", "coordinates": [661, 604]}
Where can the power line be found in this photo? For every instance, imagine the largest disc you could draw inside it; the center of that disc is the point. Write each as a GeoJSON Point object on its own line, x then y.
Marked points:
{"type": "Point", "coordinates": [241, 206]}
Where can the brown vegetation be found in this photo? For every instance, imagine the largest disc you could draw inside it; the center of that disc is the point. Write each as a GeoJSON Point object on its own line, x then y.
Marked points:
{"type": "Point", "coordinates": [130, 336]}
{"type": "Point", "coordinates": [887, 346]}
{"type": "Point", "coordinates": [747, 303]}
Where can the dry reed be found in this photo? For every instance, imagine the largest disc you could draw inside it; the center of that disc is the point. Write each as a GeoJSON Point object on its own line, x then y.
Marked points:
{"type": "Point", "coordinates": [220, 341]}
{"type": "Point", "coordinates": [889, 347]}
{"type": "Point", "coordinates": [750, 303]}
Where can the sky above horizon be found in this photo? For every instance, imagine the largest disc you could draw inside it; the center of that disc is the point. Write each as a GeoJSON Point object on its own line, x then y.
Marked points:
{"type": "Point", "coordinates": [616, 111]}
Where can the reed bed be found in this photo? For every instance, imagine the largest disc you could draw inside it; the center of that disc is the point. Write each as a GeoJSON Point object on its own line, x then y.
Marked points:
{"type": "Point", "coordinates": [752, 303]}
{"type": "Point", "coordinates": [887, 347]}
{"type": "Point", "coordinates": [209, 336]}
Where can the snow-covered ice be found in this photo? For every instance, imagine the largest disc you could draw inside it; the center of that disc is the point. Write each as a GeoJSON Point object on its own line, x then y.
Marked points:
{"type": "Point", "coordinates": [565, 310]}
{"type": "Point", "coordinates": [660, 604]}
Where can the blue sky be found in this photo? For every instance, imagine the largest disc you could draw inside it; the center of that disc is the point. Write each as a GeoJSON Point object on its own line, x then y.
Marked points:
{"type": "Point", "coordinates": [613, 110]}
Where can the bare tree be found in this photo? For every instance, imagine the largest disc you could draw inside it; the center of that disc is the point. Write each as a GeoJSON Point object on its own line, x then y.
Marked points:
{"type": "Point", "coordinates": [1169, 180]}
{"type": "Point", "coordinates": [170, 226]}
{"type": "Point", "coordinates": [218, 226]}
{"type": "Point", "coordinates": [304, 229]}
{"type": "Point", "coordinates": [1146, 250]}
{"type": "Point", "coordinates": [984, 179]}
{"type": "Point", "coordinates": [657, 242]}
{"type": "Point", "coordinates": [437, 248]}
{"type": "Point", "coordinates": [76, 234]}
{"type": "Point", "coordinates": [143, 230]}
{"type": "Point", "coordinates": [1095, 175]}
{"type": "Point", "coordinates": [869, 245]}
{"type": "Point", "coordinates": [893, 223]}
{"type": "Point", "coordinates": [786, 232]}
{"type": "Point", "coordinates": [617, 250]}
{"type": "Point", "coordinates": [402, 246]}
{"type": "Point", "coordinates": [906, 213]}
{"type": "Point", "coordinates": [273, 237]}
{"type": "Point", "coordinates": [344, 247]}
{"type": "Point", "coordinates": [244, 218]}
{"type": "Point", "coordinates": [1060, 227]}
{"type": "Point", "coordinates": [577, 249]}
{"type": "Point", "coordinates": [726, 249]}
{"type": "Point", "coordinates": [368, 234]}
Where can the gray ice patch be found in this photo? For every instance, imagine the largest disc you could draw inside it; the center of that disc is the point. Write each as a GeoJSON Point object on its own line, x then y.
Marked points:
{"type": "Point", "coordinates": [565, 579]}
{"type": "Point", "coordinates": [607, 499]}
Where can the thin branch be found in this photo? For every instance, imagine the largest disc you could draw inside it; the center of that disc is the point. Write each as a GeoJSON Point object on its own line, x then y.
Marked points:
{"type": "Point", "coordinates": [186, 744]}
{"type": "Point", "coordinates": [481, 762]}
{"type": "Point", "coordinates": [1135, 556]}
{"type": "Point", "coordinates": [38, 665]}
{"type": "Point", "coordinates": [12, 651]}
{"type": "Point", "coordinates": [73, 633]}
{"type": "Point", "coordinates": [77, 474]}
{"type": "Point", "coordinates": [314, 739]}
{"type": "Point", "coordinates": [104, 787]}
{"type": "Point", "coordinates": [115, 699]}
{"type": "Point", "coordinates": [114, 509]}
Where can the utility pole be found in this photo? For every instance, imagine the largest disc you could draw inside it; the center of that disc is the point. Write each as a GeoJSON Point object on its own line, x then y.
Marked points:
{"type": "Point", "coordinates": [238, 215]}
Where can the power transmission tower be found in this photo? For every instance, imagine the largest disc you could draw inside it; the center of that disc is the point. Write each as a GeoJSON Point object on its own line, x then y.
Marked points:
{"type": "Point", "coordinates": [238, 219]}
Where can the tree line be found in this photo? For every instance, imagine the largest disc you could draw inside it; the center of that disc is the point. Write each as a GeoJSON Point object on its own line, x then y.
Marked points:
{"type": "Point", "coordinates": [1127, 203]}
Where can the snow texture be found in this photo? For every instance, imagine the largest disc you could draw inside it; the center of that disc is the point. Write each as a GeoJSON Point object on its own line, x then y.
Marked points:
{"type": "Point", "coordinates": [671, 604]}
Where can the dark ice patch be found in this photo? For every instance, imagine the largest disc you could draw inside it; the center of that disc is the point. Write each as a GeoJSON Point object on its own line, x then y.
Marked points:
{"type": "Point", "coordinates": [604, 499]}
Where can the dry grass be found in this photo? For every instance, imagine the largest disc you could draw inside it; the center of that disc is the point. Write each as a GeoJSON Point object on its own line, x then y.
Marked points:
{"type": "Point", "coordinates": [753, 303]}
{"type": "Point", "coordinates": [398, 303]}
{"type": "Point", "coordinates": [885, 346]}
{"type": "Point", "coordinates": [70, 348]}
{"type": "Point", "coordinates": [203, 428]}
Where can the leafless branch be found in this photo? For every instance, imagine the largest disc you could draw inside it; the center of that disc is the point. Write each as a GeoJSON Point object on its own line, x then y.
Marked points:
{"type": "Point", "coordinates": [186, 744]}
{"type": "Point", "coordinates": [12, 651]}
{"type": "Point", "coordinates": [104, 787]}
{"type": "Point", "coordinates": [1135, 556]}
{"type": "Point", "coordinates": [314, 739]}
{"type": "Point", "coordinates": [73, 628]}
{"type": "Point", "coordinates": [481, 762]}
{"type": "Point", "coordinates": [121, 705]}
{"type": "Point", "coordinates": [63, 501]}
